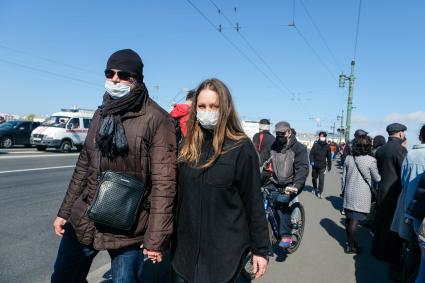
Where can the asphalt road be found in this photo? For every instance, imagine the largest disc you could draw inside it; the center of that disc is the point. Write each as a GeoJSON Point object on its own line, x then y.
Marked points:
{"type": "Point", "coordinates": [32, 186]}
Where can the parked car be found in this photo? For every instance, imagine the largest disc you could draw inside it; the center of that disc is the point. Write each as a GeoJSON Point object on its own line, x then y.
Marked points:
{"type": "Point", "coordinates": [63, 130]}
{"type": "Point", "coordinates": [16, 133]}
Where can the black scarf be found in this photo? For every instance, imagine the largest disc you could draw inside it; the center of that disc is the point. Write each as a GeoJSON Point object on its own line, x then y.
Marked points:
{"type": "Point", "coordinates": [111, 139]}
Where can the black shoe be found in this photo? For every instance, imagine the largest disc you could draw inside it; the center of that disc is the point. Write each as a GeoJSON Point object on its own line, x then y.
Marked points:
{"type": "Point", "coordinates": [352, 249]}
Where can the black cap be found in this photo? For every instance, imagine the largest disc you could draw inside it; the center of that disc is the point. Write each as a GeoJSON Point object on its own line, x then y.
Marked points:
{"type": "Point", "coordinates": [265, 121]}
{"type": "Point", "coordinates": [359, 133]}
{"type": "Point", "coordinates": [126, 60]}
{"type": "Point", "coordinates": [396, 127]}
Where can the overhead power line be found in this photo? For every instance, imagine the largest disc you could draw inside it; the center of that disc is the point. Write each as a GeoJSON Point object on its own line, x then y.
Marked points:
{"type": "Point", "coordinates": [319, 58]}
{"type": "Point", "coordinates": [49, 72]}
{"type": "Point", "coordinates": [48, 59]}
{"type": "Point", "coordinates": [237, 28]}
{"type": "Point", "coordinates": [357, 30]}
{"type": "Point", "coordinates": [236, 47]}
{"type": "Point", "coordinates": [320, 35]}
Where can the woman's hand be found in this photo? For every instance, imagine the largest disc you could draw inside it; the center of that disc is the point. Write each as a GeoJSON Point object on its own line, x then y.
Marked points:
{"type": "Point", "coordinates": [58, 225]}
{"type": "Point", "coordinates": [259, 265]}
{"type": "Point", "coordinates": [152, 255]}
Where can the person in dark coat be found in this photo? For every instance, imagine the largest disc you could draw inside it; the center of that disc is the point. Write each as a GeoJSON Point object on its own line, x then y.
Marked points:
{"type": "Point", "coordinates": [386, 244]}
{"type": "Point", "coordinates": [220, 215]}
{"type": "Point", "coordinates": [378, 142]}
{"type": "Point", "coordinates": [320, 160]}
{"type": "Point", "coordinates": [129, 133]}
{"type": "Point", "coordinates": [263, 140]}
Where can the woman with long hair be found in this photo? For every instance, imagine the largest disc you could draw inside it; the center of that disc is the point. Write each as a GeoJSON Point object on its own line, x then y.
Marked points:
{"type": "Point", "coordinates": [220, 214]}
{"type": "Point", "coordinates": [359, 172]}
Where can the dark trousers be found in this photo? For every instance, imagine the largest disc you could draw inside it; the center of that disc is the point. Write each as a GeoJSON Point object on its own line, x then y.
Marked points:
{"type": "Point", "coordinates": [281, 204]}
{"type": "Point", "coordinates": [318, 172]}
{"type": "Point", "coordinates": [74, 260]}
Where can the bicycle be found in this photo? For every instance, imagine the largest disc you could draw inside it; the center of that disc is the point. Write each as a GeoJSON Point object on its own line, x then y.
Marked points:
{"type": "Point", "coordinates": [297, 231]}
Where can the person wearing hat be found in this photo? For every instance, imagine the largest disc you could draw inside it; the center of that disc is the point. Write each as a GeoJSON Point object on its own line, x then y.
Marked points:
{"type": "Point", "coordinates": [349, 145]}
{"type": "Point", "coordinates": [320, 160]}
{"type": "Point", "coordinates": [263, 140]}
{"type": "Point", "coordinates": [130, 134]}
{"type": "Point", "coordinates": [289, 160]}
{"type": "Point", "coordinates": [390, 158]}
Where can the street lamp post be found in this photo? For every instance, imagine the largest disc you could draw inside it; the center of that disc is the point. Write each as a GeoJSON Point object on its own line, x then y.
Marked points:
{"type": "Point", "coordinates": [350, 79]}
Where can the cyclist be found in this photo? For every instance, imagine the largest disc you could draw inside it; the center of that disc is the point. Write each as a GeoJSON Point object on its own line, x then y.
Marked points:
{"type": "Point", "coordinates": [289, 164]}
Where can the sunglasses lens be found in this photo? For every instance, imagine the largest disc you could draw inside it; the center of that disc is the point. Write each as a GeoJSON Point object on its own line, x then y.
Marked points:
{"type": "Point", "coordinates": [124, 75]}
{"type": "Point", "coordinates": [109, 74]}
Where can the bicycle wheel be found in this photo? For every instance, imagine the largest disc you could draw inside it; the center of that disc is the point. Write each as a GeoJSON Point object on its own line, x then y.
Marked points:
{"type": "Point", "coordinates": [298, 214]}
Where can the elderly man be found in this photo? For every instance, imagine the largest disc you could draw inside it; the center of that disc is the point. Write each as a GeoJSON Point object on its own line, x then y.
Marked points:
{"type": "Point", "coordinates": [129, 134]}
{"type": "Point", "coordinates": [387, 245]}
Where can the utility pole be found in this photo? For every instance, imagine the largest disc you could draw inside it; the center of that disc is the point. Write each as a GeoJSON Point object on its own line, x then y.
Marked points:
{"type": "Point", "coordinates": [333, 131]}
{"type": "Point", "coordinates": [350, 79]}
{"type": "Point", "coordinates": [341, 129]}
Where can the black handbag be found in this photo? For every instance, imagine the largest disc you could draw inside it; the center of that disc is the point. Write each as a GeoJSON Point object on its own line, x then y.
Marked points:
{"type": "Point", "coordinates": [118, 200]}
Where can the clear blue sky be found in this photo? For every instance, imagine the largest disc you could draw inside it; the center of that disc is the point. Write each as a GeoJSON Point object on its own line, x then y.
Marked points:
{"type": "Point", "coordinates": [180, 49]}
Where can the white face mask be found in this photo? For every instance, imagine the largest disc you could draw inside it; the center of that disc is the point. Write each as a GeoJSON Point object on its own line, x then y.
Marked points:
{"type": "Point", "coordinates": [322, 139]}
{"type": "Point", "coordinates": [208, 120]}
{"type": "Point", "coordinates": [118, 90]}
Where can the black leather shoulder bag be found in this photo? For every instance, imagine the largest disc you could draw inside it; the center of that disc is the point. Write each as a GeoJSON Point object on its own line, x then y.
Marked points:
{"type": "Point", "coordinates": [118, 200]}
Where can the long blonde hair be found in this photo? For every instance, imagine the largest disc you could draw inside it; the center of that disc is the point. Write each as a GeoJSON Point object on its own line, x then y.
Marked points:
{"type": "Point", "coordinates": [228, 126]}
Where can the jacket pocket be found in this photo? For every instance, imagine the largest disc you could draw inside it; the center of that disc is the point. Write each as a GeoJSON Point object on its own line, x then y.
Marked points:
{"type": "Point", "coordinates": [220, 175]}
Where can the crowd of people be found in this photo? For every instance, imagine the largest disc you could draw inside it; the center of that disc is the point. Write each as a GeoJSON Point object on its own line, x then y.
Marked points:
{"type": "Point", "coordinates": [382, 181]}
{"type": "Point", "coordinates": [201, 183]}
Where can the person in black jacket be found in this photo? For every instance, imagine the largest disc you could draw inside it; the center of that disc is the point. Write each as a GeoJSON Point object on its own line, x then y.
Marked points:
{"type": "Point", "coordinates": [289, 162]}
{"type": "Point", "coordinates": [263, 140]}
{"type": "Point", "coordinates": [220, 215]}
{"type": "Point", "coordinates": [386, 244]}
{"type": "Point", "coordinates": [320, 160]}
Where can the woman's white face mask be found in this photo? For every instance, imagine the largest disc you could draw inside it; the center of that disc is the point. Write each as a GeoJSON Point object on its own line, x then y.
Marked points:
{"type": "Point", "coordinates": [208, 120]}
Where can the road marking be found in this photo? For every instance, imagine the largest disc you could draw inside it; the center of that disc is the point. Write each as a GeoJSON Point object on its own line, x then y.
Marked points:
{"type": "Point", "coordinates": [39, 155]}
{"type": "Point", "coordinates": [21, 152]}
{"type": "Point", "coordinates": [37, 169]}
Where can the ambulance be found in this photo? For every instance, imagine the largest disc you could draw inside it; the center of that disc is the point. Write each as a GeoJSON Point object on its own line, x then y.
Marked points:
{"type": "Point", "coordinates": [63, 130]}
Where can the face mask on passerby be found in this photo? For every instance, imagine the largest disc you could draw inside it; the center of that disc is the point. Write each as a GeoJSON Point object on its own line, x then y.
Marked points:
{"type": "Point", "coordinates": [118, 90]}
{"type": "Point", "coordinates": [322, 139]}
{"type": "Point", "coordinates": [208, 120]}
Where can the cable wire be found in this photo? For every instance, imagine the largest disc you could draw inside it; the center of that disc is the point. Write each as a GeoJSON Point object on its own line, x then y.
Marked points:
{"type": "Point", "coordinates": [236, 47]}
{"type": "Point", "coordinates": [315, 52]}
{"type": "Point", "coordinates": [320, 35]}
{"type": "Point", "coordinates": [357, 30]}
{"type": "Point", "coordinates": [253, 49]}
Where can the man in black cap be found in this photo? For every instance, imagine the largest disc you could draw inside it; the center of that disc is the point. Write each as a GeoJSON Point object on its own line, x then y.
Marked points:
{"type": "Point", "coordinates": [129, 134]}
{"type": "Point", "coordinates": [263, 140]}
{"type": "Point", "coordinates": [387, 245]}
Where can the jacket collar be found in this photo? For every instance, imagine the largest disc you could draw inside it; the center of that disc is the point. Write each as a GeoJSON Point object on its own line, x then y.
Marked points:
{"type": "Point", "coordinates": [395, 140]}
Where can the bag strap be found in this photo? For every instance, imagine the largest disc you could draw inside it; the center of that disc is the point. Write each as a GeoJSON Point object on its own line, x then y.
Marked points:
{"type": "Point", "coordinates": [361, 173]}
{"type": "Point", "coordinates": [261, 141]}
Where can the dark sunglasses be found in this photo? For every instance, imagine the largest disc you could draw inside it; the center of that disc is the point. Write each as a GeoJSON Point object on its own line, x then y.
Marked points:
{"type": "Point", "coordinates": [122, 75]}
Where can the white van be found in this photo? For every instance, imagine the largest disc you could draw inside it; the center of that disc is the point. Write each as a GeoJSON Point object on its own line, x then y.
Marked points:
{"type": "Point", "coordinates": [63, 130]}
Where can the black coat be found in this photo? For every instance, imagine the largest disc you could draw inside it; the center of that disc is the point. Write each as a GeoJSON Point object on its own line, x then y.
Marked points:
{"type": "Point", "coordinates": [264, 151]}
{"type": "Point", "coordinates": [390, 158]}
{"type": "Point", "coordinates": [320, 154]}
{"type": "Point", "coordinates": [220, 214]}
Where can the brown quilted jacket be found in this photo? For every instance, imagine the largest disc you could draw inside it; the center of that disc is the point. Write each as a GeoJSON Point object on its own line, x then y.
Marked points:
{"type": "Point", "coordinates": [151, 158]}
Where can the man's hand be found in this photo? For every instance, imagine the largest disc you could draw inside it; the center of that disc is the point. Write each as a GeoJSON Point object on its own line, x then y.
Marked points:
{"type": "Point", "coordinates": [291, 190]}
{"type": "Point", "coordinates": [152, 255]}
{"type": "Point", "coordinates": [58, 225]}
{"type": "Point", "coordinates": [259, 266]}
